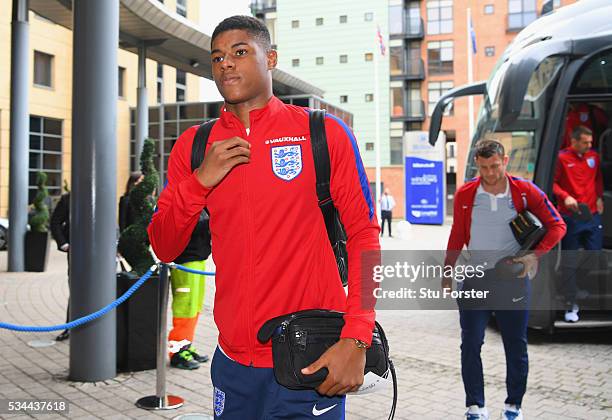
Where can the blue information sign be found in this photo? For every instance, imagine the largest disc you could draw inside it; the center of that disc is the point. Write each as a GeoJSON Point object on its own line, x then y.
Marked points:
{"type": "Point", "coordinates": [425, 179]}
{"type": "Point", "coordinates": [424, 191]}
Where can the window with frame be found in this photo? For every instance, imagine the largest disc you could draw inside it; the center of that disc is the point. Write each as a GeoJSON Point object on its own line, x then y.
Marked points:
{"type": "Point", "coordinates": [489, 9]}
{"type": "Point", "coordinates": [396, 19]}
{"type": "Point", "coordinates": [368, 56]}
{"type": "Point", "coordinates": [414, 18]}
{"type": "Point", "coordinates": [489, 51]}
{"type": "Point", "coordinates": [343, 18]}
{"type": "Point", "coordinates": [160, 82]}
{"type": "Point", "coordinates": [368, 17]}
{"type": "Point", "coordinates": [343, 99]}
{"type": "Point", "coordinates": [439, 17]}
{"type": "Point", "coordinates": [295, 62]}
{"type": "Point", "coordinates": [319, 61]}
{"type": "Point", "coordinates": [121, 79]}
{"type": "Point", "coordinates": [181, 7]}
{"type": "Point", "coordinates": [369, 97]}
{"type": "Point", "coordinates": [521, 13]}
{"type": "Point", "coordinates": [343, 58]}
{"type": "Point", "coordinates": [43, 69]}
{"type": "Point", "coordinates": [440, 57]}
{"type": "Point", "coordinates": [396, 60]}
{"type": "Point", "coordinates": [397, 101]}
{"type": "Point", "coordinates": [45, 154]}
{"type": "Point", "coordinates": [295, 24]}
{"type": "Point", "coordinates": [435, 90]}
{"type": "Point", "coordinates": [396, 150]}
{"type": "Point", "coordinates": [319, 21]}
{"type": "Point", "coordinates": [369, 146]}
{"type": "Point", "coordinates": [181, 85]}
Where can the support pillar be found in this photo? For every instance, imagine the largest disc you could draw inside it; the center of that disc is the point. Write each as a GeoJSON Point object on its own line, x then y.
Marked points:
{"type": "Point", "coordinates": [93, 205]}
{"type": "Point", "coordinates": [20, 127]}
{"type": "Point", "coordinates": [142, 107]}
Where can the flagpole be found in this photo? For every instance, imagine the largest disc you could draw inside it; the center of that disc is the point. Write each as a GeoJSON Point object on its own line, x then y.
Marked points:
{"type": "Point", "coordinates": [470, 74]}
{"type": "Point", "coordinates": [377, 126]}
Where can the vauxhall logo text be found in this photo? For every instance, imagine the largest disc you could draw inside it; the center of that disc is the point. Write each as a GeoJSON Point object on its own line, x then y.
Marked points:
{"type": "Point", "coordinates": [286, 139]}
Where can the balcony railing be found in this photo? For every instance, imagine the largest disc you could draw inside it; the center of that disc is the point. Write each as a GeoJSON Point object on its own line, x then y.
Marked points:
{"type": "Point", "coordinates": [411, 111]}
{"type": "Point", "coordinates": [414, 29]}
{"type": "Point", "coordinates": [413, 70]}
{"type": "Point", "coordinates": [262, 6]}
{"type": "Point", "coordinates": [407, 27]}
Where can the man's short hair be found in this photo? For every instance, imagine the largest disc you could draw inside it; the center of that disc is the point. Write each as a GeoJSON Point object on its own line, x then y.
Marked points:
{"type": "Point", "coordinates": [253, 26]}
{"type": "Point", "coordinates": [580, 131]}
{"type": "Point", "coordinates": [487, 148]}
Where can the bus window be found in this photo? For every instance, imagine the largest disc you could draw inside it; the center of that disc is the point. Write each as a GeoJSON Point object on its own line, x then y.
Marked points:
{"type": "Point", "coordinates": [596, 77]}
{"type": "Point", "coordinates": [521, 150]}
{"type": "Point", "coordinates": [522, 139]}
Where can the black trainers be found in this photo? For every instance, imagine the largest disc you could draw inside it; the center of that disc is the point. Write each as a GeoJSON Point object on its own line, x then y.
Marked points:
{"type": "Point", "coordinates": [63, 336]}
{"type": "Point", "coordinates": [184, 360]}
{"type": "Point", "coordinates": [201, 358]}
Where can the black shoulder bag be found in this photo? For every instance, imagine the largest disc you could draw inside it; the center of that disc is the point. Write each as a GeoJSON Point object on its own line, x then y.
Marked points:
{"type": "Point", "coordinates": [300, 338]}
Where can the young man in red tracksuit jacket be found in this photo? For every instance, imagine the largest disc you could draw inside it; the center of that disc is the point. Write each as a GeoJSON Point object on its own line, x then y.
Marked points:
{"type": "Point", "coordinates": [578, 179]}
{"type": "Point", "coordinates": [269, 239]}
{"type": "Point", "coordinates": [483, 208]}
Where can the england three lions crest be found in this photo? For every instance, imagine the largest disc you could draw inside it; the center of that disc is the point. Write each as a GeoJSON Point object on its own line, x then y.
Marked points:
{"type": "Point", "coordinates": [287, 161]}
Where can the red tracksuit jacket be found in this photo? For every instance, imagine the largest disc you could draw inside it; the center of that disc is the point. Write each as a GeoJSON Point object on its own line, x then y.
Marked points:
{"type": "Point", "coordinates": [269, 240]}
{"type": "Point", "coordinates": [578, 176]}
{"type": "Point", "coordinates": [525, 195]}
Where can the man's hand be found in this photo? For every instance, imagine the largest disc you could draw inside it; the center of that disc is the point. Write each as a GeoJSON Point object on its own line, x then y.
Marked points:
{"type": "Point", "coordinates": [447, 283]}
{"type": "Point", "coordinates": [600, 205]}
{"type": "Point", "coordinates": [530, 265]}
{"type": "Point", "coordinates": [65, 247]}
{"type": "Point", "coordinates": [345, 363]}
{"type": "Point", "coordinates": [220, 159]}
{"type": "Point", "coordinates": [571, 203]}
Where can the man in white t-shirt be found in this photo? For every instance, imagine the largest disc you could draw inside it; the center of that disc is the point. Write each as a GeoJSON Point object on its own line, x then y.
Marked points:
{"type": "Point", "coordinates": [387, 202]}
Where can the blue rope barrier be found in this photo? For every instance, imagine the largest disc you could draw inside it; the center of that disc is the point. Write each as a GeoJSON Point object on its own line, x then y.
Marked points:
{"type": "Point", "coordinates": [86, 318]}
{"type": "Point", "coordinates": [190, 270]}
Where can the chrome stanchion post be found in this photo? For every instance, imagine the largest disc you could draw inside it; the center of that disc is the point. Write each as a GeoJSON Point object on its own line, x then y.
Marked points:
{"type": "Point", "coordinates": [161, 401]}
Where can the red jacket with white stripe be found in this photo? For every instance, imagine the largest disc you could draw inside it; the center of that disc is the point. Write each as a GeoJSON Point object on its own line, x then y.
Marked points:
{"type": "Point", "coordinates": [525, 195]}
{"type": "Point", "coordinates": [269, 240]}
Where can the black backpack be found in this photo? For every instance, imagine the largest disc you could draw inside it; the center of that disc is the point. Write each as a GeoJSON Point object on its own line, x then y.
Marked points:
{"type": "Point", "coordinates": [320, 152]}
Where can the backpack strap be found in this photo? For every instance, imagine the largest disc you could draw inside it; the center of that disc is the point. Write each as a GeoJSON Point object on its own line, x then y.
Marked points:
{"type": "Point", "coordinates": [200, 140]}
{"type": "Point", "coordinates": [320, 154]}
{"type": "Point", "coordinates": [198, 248]}
{"type": "Point", "coordinates": [333, 224]}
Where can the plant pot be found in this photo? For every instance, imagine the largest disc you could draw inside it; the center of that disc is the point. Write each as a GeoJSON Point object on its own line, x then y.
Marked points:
{"type": "Point", "coordinates": [137, 324]}
{"type": "Point", "coordinates": [36, 251]}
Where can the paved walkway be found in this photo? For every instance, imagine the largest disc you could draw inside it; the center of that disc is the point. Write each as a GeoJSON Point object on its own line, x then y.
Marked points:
{"type": "Point", "coordinates": [570, 374]}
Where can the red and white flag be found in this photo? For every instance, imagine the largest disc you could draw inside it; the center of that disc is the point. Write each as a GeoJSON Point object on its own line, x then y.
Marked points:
{"type": "Point", "coordinates": [381, 42]}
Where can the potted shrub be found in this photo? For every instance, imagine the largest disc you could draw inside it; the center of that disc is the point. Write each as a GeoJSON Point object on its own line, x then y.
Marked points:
{"type": "Point", "coordinates": [37, 238]}
{"type": "Point", "coordinates": [137, 318]}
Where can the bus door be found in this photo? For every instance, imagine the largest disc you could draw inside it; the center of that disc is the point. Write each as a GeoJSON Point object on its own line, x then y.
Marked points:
{"type": "Point", "coordinates": [589, 104]}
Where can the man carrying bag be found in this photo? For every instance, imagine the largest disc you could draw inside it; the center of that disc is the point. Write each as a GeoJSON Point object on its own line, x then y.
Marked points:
{"type": "Point", "coordinates": [269, 240]}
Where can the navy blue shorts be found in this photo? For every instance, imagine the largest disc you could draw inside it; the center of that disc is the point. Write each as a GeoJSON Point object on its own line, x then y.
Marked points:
{"type": "Point", "coordinates": [243, 392]}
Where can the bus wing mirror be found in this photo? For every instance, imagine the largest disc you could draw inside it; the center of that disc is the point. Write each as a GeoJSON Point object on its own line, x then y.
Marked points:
{"type": "Point", "coordinates": [513, 87]}
{"type": "Point", "coordinates": [435, 122]}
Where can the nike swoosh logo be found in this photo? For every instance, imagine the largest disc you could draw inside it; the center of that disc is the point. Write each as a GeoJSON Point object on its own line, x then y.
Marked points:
{"type": "Point", "coordinates": [317, 413]}
{"type": "Point", "coordinates": [518, 299]}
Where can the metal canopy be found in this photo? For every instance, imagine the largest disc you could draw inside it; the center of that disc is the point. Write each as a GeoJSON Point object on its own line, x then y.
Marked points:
{"type": "Point", "coordinates": [170, 39]}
